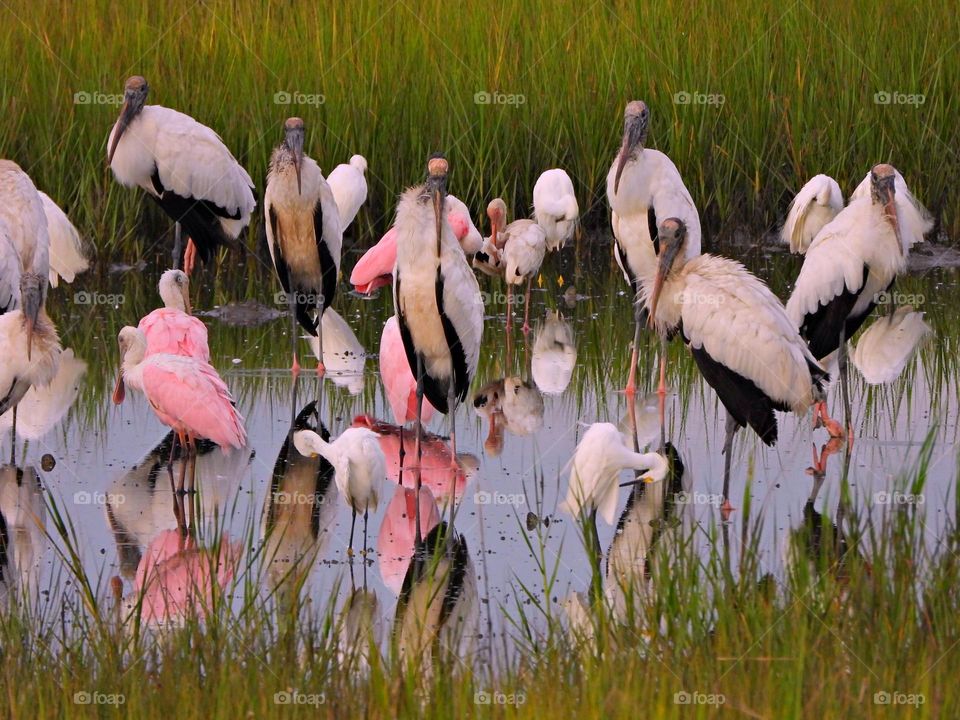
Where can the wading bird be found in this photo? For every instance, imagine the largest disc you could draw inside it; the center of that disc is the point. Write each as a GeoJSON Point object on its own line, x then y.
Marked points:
{"type": "Point", "coordinates": [172, 330]}
{"type": "Point", "coordinates": [185, 394]}
{"type": "Point", "coordinates": [397, 377]}
{"type": "Point", "coordinates": [644, 188]}
{"type": "Point", "coordinates": [851, 265]}
{"type": "Point", "coordinates": [437, 302]}
{"type": "Point", "coordinates": [359, 465]}
{"type": "Point", "coordinates": [375, 269]}
{"type": "Point", "coordinates": [742, 340]}
{"type": "Point", "coordinates": [555, 207]}
{"type": "Point", "coordinates": [349, 187]}
{"type": "Point", "coordinates": [186, 168]}
{"type": "Point", "coordinates": [66, 248]}
{"type": "Point", "coordinates": [303, 235]}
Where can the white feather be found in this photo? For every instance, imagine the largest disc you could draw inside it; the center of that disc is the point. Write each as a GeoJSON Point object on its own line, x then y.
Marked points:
{"type": "Point", "coordinates": [555, 207]}
{"type": "Point", "coordinates": [524, 245]}
{"type": "Point", "coordinates": [817, 203]}
{"type": "Point", "coordinates": [886, 347]}
{"type": "Point", "coordinates": [349, 187]}
{"type": "Point", "coordinates": [554, 355]}
{"type": "Point", "coordinates": [66, 248]}
{"type": "Point", "coordinates": [21, 210]}
{"type": "Point", "coordinates": [915, 220]}
{"type": "Point", "coordinates": [343, 355]}
{"type": "Point", "coordinates": [359, 464]}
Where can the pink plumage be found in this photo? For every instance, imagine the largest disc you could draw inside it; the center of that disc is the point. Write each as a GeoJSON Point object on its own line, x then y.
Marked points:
{"type": "Point", "coordinates": [395, 543]}
{"type": "Point", "coordinates": [397, 377]}
{"type": "Point", "coordinates": [171, 331]}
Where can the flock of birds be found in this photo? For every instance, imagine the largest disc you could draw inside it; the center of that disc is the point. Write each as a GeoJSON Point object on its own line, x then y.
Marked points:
{"type": "Point", "coordinates": [758, 354]}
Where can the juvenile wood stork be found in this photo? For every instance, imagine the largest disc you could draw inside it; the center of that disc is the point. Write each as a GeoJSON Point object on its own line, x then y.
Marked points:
{"type": "Point", "coordinates": [67, 259]}
{"type": "Point", "coordinates": [186, 168]}
{"type": "Point", "coordinates": [349, 187]}
{"type": "Point", "coordinates": [359, 465]}
{"type": "Point", "coordinates": [303, 234]}
{"type": "Point", "coordinates": [171, 329]}
{"type": "Point", "coordinates": [555, 207]}
{"type": "Point", "coordinates": [852, 261]}
{"type": "Point", "coordinates": [741, 338]}
{"type": "Point", "coordinates": [437, 302]}
{"type": "Point", "coordinates": [644, 188]}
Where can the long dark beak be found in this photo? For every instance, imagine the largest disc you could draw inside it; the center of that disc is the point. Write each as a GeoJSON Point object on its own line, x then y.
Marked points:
{"type": "Point", "coordinates": [632, 134]}
{"type": "Point", "coordinates": [667, 257]}
{"type": "Point", "coordinates": [126, 114]}
{"type": "Point", "coordinates": [890, 212]}
{"type": "Point", "coordinates": [30, 301]}
{"type": "Point", "coordinates": [297, 160]}
{"type": "Point", "coordinates": [119, 390]}
{"type": "Point", "coordinates": [439, 194]}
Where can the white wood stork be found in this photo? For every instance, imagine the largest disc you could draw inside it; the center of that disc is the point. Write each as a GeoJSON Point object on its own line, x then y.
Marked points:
{"type": "Point", "coordinates": [853, 260]}
{"type": "Point", "coordinates": [186, 168]}
{"type": "Point", "coordinates": [67, 259]}
{"type": "Point", "coordinates": [29, 345]}
{"type": "Point", "coordinates": [555, 207]}
{"type": "Point", "coordinates": [644, 188]}
{"type": "Point", "coordinates": [303, 234]}
{"type": "Point", "coordinates": [349, 187]}
{"type": "Point", "coordinates": [437, 302]}
{"type": "Point", "coordinates": [742, 340]}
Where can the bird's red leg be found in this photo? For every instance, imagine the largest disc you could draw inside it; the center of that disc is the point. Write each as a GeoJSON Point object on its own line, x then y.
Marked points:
{"type": "Point", "coordinates": [526, 307]}
{"type": "Point", "coordinates": [189, 256]}
{"type": "Point", "coordinates": [822, 419]}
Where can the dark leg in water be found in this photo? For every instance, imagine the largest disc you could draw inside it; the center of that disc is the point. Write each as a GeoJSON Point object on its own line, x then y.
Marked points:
{"type": "Point", "coordinates": [418, 536]}
{"type": "Point", "coordinates": [731, 430]}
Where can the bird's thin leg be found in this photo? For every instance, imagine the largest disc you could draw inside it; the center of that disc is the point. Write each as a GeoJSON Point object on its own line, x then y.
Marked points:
{"type": "Point", "coordinates": [403, 454]}
{"type": "Point", "coordinates": [192, 453]}
{"type": "Point", "coordinates": [321, 368]}
{"type": "Point", "coordinates": [844, 390]}
{"type": "Point", "coordinates": [173, 451]}
{"type": "Point", "coordinates": [596, 558]}
{"type": "Point", "coordinates": [526, 307]}
{"type": "Point", "coordinates": [662, 392]}
{"type": "Point", "coordinates": [454, 466]}
{"type": "Point", "coordinates": [293, 401]}
{"type": "Point", "coordinates": [366, 514]}
{"type": "Point", "coordinates": [295, 368]}
{"type": "Point", "coordinates": [177, 505]}
{"type": "Point", "coordinates": [177, 247]}
{"type": "Point", "coordinates": [189, 256]}
{"type": "Point", "coordinates": [731, 430]}
{"type": "Point", "coordinates": [13, 438]}
{"type": "Point", "coordinates": [183, 465]}
{"type": "Point", "coordinates": [509, 307]}
{"type": "Point", "coordinates": [418, 450]}
{"type": "Point", "coordinates": [634, 352]}
{"type": "Point", "coordinates": [353, 525]}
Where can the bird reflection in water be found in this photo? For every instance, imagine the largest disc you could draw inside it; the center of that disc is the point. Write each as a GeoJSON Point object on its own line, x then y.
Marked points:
{"type": "Point", "coordinates": [22, 532]}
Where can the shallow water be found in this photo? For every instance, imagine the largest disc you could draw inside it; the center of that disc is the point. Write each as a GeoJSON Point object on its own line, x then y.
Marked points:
{"type": "Point", "coordinates": [110, 481]}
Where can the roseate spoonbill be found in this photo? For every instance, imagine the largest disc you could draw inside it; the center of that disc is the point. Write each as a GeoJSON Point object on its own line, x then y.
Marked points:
{"type": "Point", "coordinates": [185, 167]}
{"type": "Point", "coordinates": [398, 380]}
{"type": "Point", "coordinates": [555, 207]}
{"type": "Point", "coordinates": [395, 542]}
{"type": "Point", "coordinates": [850, 265]}
{"type": "Point", "coordinates": [375, 269]}
{"type": "Point", "coordinates": [185, 394]}
{"type": "Point", "coordinates": [644, 188]}
{"type": "Point", "coordinates": [67, 259]}
{"type": "Point", "coordinates": [437, 301]}
{"type": "Point", "coordinates": [172, 330]}
{"type": "Point", "coordinates": [303, 235]}
{"type": "Point", "coordinates": [349, 188]}
{"type": "Point", "coordinates": [742, 340]}
{"type": "Point", "coordinates": [360, 468]}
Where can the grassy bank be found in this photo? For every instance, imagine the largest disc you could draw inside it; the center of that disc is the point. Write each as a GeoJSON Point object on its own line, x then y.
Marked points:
{"type": "Point", "coordinates": [749, 99]}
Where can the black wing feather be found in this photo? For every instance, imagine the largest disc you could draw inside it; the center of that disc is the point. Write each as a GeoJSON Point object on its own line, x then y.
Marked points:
{"type": "Point", "coordinates": [199, 218]}
{"type": "Point", "coordinates": [821, 329]}
{"type": "Point", "coordinates": [458, 356]}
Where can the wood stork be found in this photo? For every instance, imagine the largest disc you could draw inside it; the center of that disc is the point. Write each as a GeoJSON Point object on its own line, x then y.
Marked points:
{"type": "Point", "coordinates": [555, 207]}
{"type": "Point", "coordinates": [67, 259]}
{"type": "Point", "coordinates": [741, 338]}
{"type": "Point", "coordinates": [852, 262]}
{"type": "Point", "coordinates": [303, 234]}
{"type": "Point", "coordinates": [644, 188]}
{"type": "Point", "coordinates": [437, 302]}
{"type": "Point", "coordinates": [171, 329]}
{"type": "Point", "coordinates": [817, 203]}
{"type": "Point", "coordinates": [186, 168]}
{"type": "Point", "coordinates": [360, 468]}
{"type": "Point", "coordinates": [349, 187]}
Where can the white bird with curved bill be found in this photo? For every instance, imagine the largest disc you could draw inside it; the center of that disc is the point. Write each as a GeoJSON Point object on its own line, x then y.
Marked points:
{"type": "Point", "coordinates": [742, 340]}
{"type": "Point", "coordinates": [852, 263]}
{"type": "Point", "coordinates": [67, 258]}
{"type": "Point", "coordinates": [600, 457]}
{"type": "Point", "coordinates": [437, 302]}
{"type": "Point", "coordinates": [885, 348]}
{"type": "Point", "coordinates": [185, 167]}
{"type": "Point", "coordinates": [303, 235]}
{"type": "Point", "coordinates": [360, 468]}
{"type": "Point", "coordinates": [644, 188]}
{"type": "Point", "coordinates": [555, 207]}
{"type": "Point", "coordinates": [349, 187]}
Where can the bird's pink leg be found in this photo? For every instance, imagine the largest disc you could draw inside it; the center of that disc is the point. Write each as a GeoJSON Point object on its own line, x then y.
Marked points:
{"type": "Point", "coordinates": [634, 355]}
{"type": "Point", "coordinates": [822, 419]}
{"type": "Point", "coordinates": [189, 257]}
{"type": "Point", "coordinates": [526, 307]}
{"type": "Point", "coordinates": [509, 307]}
{"type": "Point", "coordinates": [321, 368]}
{"type": "Point", "coordinates": [183, 463]}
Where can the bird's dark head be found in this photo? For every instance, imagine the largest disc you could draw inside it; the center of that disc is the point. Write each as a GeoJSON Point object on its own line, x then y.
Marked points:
{"type": "Point", "coordinates": [436, 189]}
{"type": "Point", "coordinates": [636, 118]}
{"type": "Point", "coordinates": [672, 234]}
{"type": "Point", "coordinates": [293, 133]}
{"type": "Point", "coordinates": [31, 300]}
{"type": "Point", "coordinates": [134, 96]}
{"type": "Point", "coordinates": [883, 193]}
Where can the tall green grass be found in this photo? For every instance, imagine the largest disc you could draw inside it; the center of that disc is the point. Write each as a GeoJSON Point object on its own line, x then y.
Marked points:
{"type": "Point", "coordinates": [399, 80]}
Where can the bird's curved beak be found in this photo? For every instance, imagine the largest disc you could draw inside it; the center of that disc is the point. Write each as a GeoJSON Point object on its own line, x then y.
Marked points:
{"type": "Point", "coordinates": [890, 212]}
{"type": "Point", "coordinates": [667, 257]}
{"type": "Point", "coordinates": [185, 291]}
{"type": "Point", "coordinates": [634, 130]}
{"type": "Point", "coordinates": [127, 113]}
{"type": "Point", "coordinates": [119, 390]}
{"type": "Point", "coordinates": [438, 193]}
{"type": "Point", "coordinates": [30, 305]}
